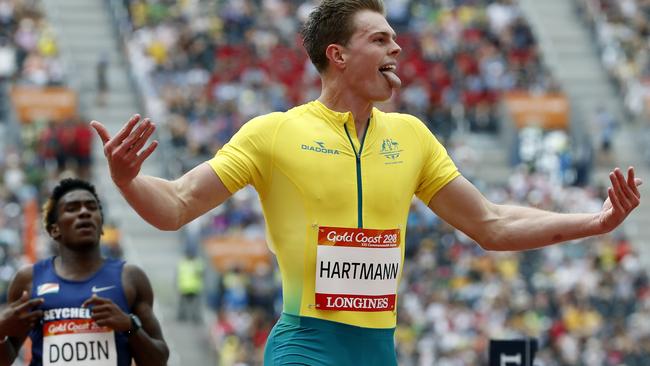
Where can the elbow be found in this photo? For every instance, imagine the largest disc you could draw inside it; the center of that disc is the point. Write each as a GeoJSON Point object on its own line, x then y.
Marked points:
{"type": "Point", "coordinates": [166, 225]}
{"type": "Point", "coordinates": [490, 241]}
{"type": "Point", "coordinates": [164, 355]}
{"type": "Point", "coordinates": [170, 227]}
{"type": "Point", "coordinates": [173, 217]}
{"type": "Point", "coordinates": [487, 245]}
{"type": "Point", "coordinates": [159, 358]}
{"type": "Point", "coordinates": [490, 246]}
{"type": "Point", "coordinates": [8, 361]}
{"type": "Point", "coordinates": [7, 353]}
{"type": "Point", "coordinates": [497, 243]}
{"type": "Point", "coordinates": [484, 238]}
{"type": "Point", "coordinates": [491, 232]}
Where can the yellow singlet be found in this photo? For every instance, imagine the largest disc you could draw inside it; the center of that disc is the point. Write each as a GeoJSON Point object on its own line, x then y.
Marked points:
{"type": "Point", "coordinates": [336, 206]}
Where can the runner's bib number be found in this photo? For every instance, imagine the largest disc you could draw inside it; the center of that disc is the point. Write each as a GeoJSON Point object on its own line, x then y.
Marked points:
{"type": "Point", "coordinates": [78, 342]}
{"type": "Point", "coordinates": [357, 269]}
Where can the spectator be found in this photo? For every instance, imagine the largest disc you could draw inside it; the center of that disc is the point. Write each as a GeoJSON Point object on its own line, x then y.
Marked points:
{"type": "Point", "coordinates": [101, 72]}
{"type": "Point", "coordinates": [189, 279]}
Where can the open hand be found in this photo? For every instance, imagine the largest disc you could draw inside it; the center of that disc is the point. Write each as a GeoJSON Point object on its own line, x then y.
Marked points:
{"type": "Point", "coordinates": [623, 198]}
{"type": "Point", "coordinates": [123, 150]}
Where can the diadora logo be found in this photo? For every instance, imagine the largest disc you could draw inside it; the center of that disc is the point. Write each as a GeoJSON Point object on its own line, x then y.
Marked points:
{"type": "Point", "coordinates": [390, 149]}
{"type": "Point", "coordinates": [320, 148]}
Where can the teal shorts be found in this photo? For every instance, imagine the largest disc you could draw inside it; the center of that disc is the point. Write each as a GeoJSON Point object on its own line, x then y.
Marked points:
{"type": "Point", "coordinates": [298, 340]}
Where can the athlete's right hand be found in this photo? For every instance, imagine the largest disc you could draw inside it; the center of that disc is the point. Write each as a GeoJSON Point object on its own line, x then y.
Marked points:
{"type": "Point", "coordinates": [122, 151]}
{"type": "Point", "coordinates": [19, 317]}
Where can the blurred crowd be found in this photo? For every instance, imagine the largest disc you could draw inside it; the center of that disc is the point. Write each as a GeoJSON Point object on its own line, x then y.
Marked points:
{"type": "Point", "coordinates": [622, 32]}
{"type": "Point", "coordinates": [29, 58]}
{"type": "Point", "coordinates": [28, 48]}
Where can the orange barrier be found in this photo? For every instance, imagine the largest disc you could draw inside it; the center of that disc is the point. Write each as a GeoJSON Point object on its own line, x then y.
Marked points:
{"type": "Point", "coordinates": [31, 222]}
{"type": "Point", "coordinates": [49, 103]}
{"type": "Point", "coordinates": [549, 111]}
{"type": "Point", "coordinates": [229, 251]}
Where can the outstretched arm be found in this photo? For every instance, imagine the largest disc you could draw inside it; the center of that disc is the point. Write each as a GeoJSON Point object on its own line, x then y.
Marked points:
{"type": "Point", "coordinates": [165, 204]}
{"type": "Point", "coordinates": [508, 227]}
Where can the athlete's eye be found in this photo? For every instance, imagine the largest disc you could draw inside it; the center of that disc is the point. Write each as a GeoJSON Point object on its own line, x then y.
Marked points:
{"type": "Point", "coordinates": [71, 207]}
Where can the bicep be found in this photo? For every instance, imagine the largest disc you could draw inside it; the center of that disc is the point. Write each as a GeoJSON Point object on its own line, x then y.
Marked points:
{"type": "Point", "coordinates": [461, 205]}
{"type": "Point", "coordinates": [200, 190]}
{"type": "Point", "coordinates": [22, 281]}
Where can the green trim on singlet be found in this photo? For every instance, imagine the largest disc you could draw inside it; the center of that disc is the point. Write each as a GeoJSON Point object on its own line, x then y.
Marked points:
{"type": "Point", "coordinates": [357, 156]}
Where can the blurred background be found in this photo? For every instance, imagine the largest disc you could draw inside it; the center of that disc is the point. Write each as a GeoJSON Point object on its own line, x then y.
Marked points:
{"type": "Point", "coordinates": [535, 101]}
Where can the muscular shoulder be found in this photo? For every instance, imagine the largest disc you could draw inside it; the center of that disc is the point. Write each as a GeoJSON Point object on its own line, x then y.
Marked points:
{"type": "Point", "coordinates": [22, 281]}
{"type": "Point", "coordinates": [268, 123]}
{"type": "Point", "coordinates": [265, 122]}
{"type": "Point", "coordinates": [134, 275]}
{"type": "Point", "coordinates": [135, 283]}
{"type": "Point", "coordinates": [400, 119]}
{"type": "Point", "coordinates": [261, 132]}
{"type": "Point", "coordinates": [406, 125]}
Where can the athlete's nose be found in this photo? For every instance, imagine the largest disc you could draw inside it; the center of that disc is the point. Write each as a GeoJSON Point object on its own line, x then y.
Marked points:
{"type": "Point", "coordinates": [395, 49]}
{"type": "Point", "coordinates": [84, 211]}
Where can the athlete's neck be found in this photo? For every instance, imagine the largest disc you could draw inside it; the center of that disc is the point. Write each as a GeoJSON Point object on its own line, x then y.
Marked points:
{"type": "Point", "coordinates": [77, 264]}
{"type": "Point", "coordinates": [360, 109]}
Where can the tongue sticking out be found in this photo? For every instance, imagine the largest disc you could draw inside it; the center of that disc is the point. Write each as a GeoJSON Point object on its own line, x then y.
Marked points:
{"type": "Point", "coordinates": [393, 79]}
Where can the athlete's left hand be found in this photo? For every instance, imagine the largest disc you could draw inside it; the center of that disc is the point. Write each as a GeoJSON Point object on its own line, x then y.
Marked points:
{"type": "Point", "coordinates": [623, 198]}
{"type": "Point", "coordinates": [107, 314]}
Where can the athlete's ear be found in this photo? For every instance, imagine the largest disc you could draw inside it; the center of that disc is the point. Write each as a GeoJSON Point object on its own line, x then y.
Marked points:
{"type": "Point", "coordinates": [54, 231]}
{"type": "Point", "coordinates": [336, 54]}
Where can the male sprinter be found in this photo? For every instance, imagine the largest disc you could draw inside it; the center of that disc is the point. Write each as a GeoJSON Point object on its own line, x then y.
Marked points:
{"type": "Point", "coordinates": [336, 177]}
{"type": "Point", "coordinates": [77, 307]}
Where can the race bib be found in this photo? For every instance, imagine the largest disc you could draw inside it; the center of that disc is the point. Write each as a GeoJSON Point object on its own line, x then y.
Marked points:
{"type": "Point", "coordinates": [357, 269]}
{"type": "Point", "coordinates": [78, 342]}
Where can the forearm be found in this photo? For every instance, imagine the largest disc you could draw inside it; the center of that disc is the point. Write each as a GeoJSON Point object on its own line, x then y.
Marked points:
{"type": "Point", "coordinates": [148, 351]}
{"type": "Point", "coordinates": [521, 228]}
{"type": "Point", "coordinates": [168, 205]}
{"type": "Point", "coordinates": [156, 200]}
{"type": "Point", "coordinates": [507, 227]}
{"type": "Point", "coordinates": [8, 353]}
